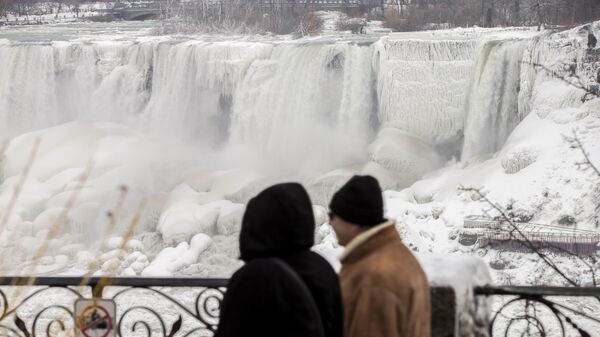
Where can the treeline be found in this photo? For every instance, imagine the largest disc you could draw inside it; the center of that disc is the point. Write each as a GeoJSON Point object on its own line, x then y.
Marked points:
{"type": "Point", "coordinates": [33, 7]}
{"type": "Point", "coordinates": [416, 14]}
{"type": "Point", "coordinates": [244, 15]}
{"type": "Point", "coordinates": [278, 16]}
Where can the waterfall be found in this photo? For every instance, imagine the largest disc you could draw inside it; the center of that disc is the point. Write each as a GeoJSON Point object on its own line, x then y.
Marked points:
{"type": "Point", "coordinates": [287, 101]}
{"type": "Point", "coordinates": [306, 98]}
{"type": "Point", "coordinates": [298, 105]}
{"type": "Point", "coordinates": [492, 107]}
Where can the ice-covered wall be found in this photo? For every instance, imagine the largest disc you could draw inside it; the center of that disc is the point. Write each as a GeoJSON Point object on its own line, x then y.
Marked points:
{"type": "Point", "coordinates": [305, 107]}
{"type": "Point", "coordinates": [422, 85]}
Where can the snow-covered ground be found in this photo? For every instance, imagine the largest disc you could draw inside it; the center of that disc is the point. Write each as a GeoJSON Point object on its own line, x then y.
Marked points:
{"type": "Point", "coordinates": [194, 126]}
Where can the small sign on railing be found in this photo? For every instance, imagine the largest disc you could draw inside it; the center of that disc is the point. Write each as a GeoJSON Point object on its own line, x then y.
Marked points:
{"type": "Point", "coordinates": [95, 318]}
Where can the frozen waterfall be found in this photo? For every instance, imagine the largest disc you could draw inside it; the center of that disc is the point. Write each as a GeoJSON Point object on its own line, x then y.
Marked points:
{"type": "Point", "coordinates": [312, 106]}
{"type": "Point", "coordinates": [492, 107]}
{"type": "Point", "coordinates": [422, 86]}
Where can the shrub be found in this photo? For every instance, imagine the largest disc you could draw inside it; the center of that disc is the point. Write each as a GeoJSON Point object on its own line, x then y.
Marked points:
{"type": "Point", "coordinates": [355, 25]}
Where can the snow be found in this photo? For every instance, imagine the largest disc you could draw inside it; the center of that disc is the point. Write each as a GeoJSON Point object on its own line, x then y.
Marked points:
{"type": "Point", "coordinates": [171, 259]}
{"type": "Point", "coordinates": [518, 159]}
{"type": "Point", "coordinates": [461, 273]}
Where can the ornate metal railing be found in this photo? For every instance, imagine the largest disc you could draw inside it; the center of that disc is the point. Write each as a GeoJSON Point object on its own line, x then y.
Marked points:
{"type": "Point", "coordinates": [543, 311]}
{"type": "Point", "coordinates": [166, 307]}
{"type": "Point", "coordinates": [44, 306]}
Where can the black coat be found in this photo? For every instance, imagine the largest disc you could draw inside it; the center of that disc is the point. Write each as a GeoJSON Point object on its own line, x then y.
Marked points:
{"type": "Point", "coordinates": [262, 299]}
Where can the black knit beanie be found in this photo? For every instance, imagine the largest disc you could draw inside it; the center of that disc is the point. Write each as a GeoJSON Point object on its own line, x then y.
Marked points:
{"type": "Point", "coordinates": [359, 201]}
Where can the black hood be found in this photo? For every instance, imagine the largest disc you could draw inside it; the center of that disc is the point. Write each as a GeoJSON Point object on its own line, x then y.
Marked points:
{"type": "Point", "coordinates": [277, 222]}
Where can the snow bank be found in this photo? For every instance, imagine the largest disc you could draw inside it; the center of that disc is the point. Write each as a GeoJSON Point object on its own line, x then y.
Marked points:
{"type": "Point", "coordinates": [172, 259]}
{"type": "Point", "coordinates": [534, 172]}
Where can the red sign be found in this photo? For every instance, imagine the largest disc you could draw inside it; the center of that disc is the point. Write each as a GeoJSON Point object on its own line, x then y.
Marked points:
{"type": "Point", "coordinates": [95, 318]}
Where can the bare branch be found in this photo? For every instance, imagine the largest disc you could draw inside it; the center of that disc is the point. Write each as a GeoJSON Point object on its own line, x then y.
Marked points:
{"type": "Point", "coordinates": [563, 78]}
{"type": "Point", "coordinates": [522, 238]}
{"type": "Point", "coordinates": [587, 163]}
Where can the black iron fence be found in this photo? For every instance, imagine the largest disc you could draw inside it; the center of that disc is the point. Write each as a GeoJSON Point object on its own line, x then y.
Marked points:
{"type": "Point", "coordinates": [543, 311]}
{"type": "Point", "coordinates": [48, 306]}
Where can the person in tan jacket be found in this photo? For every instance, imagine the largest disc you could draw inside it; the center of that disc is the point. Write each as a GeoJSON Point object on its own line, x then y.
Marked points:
{"type": "Point", "coordinates": [385, 292]}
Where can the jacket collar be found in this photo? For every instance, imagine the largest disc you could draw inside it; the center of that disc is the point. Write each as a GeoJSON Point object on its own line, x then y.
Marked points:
{"type": "Point", "coordinates": [356, 243]}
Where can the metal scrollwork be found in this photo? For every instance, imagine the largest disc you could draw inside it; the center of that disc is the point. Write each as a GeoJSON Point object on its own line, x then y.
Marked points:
{"type": "Point", "coordinates": [17, 325]}
{"type": "Point", "coordinates": [198, 317]}
{"type": "Point", "coordinates": [9, 331]}
{"type": "Point", "coordinates": [527, 320]}
{"type": "Point", "coordinates": [207, 308]}
{"type": "Point", "coordinates": [528, 312]}
{"type": "Point", "coordinates": [58, 321]}
{"type": "Point", "coordinates": [139, 322]}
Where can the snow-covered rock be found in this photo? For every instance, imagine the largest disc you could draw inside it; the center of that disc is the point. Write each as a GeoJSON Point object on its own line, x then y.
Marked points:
{"type": "Point", "coordinates": [185, 219]}
{"type": "Point", "coordinates": [515, 161]}
{"type": "Point", "coordinates": [172, 259]}
{"type": "Point", "coordinates": [323, 187]}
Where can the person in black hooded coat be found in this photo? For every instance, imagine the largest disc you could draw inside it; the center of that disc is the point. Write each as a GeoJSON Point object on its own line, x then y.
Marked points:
{"type": "Point", "coordinates": [284, 289]}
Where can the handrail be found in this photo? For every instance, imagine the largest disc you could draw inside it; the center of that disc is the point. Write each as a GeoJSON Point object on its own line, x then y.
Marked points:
{"type": "Point", "coordinates": [537, 291]}
{"type": "Point", "coordinates": [65, 281]}
{"type": "Point", "coordinates": [520, 307]}
{"type": "Point", "coordinates": [532, 309]}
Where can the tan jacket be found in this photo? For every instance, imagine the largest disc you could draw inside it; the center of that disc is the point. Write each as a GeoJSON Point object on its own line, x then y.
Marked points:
{"type": "Point", "coordinates": [384, 289]}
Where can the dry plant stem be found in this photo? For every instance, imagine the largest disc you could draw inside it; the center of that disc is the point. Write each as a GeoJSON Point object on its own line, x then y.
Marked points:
{"type": "Point", "coordinates": [19, 188]}
{"type": "Point", "coordinates": [62, 218]}
{"type": "Point", "coordinates": [113, 216]}
{"type": "Point", "coordinates": [19, 253]}
{"type": "Point", "coordinates": [126, 237]}
{"type": "Point", "coordinates": [521, 237]}
{"type": "Point", "coordinates": [57, 225]}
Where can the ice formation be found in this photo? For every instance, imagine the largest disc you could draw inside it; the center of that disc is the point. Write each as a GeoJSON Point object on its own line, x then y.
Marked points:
{"type": "Point", "coordinates": [519, 159]}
